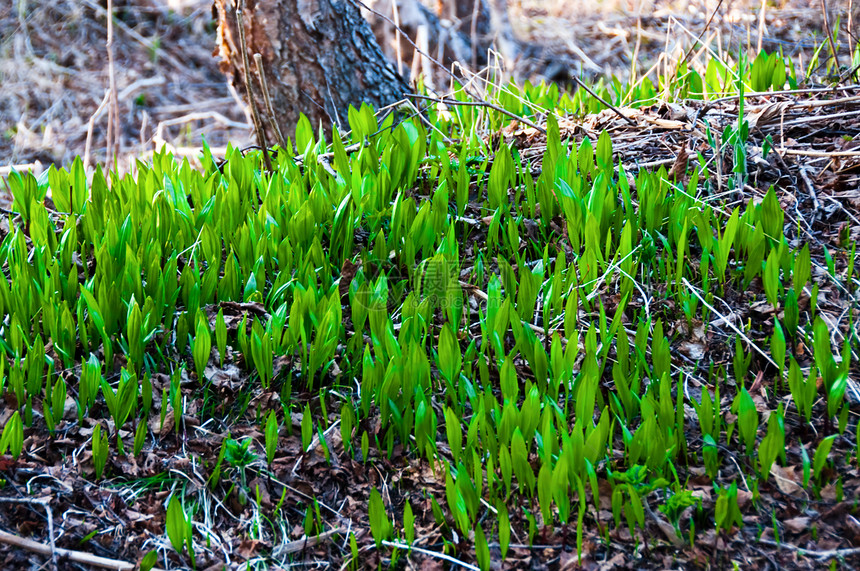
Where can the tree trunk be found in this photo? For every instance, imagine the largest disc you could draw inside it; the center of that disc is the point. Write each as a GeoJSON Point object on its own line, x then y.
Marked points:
{"type": "Point", "coordinates": [319, 57]}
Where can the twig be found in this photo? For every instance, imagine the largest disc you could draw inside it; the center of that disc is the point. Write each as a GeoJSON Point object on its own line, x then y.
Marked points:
{"type": "Point", "coordinates": [828, 102]}
{"type": "Point", "coordinates": [214, 115]}
{"type": "Point", "coordinates": [145, 82]}
{"type": "Point", "coordinates": [361, 4]}
{"type": "Point", "coordinates": [45, 504]}
{"type": "Point", "coordinates": [397, 49]}
{"type": "Point", "coordinates": [657, 163]}
{"type": "Point", "coordinates": [190, 152]}
{"type": "Point", "coordinates": [838, 204]}
{"type": "Point", "coordinates": [189, 107]}
{"type": "Point", "coordinates": [731, 325]}
{"type": "Point", "coordinates": [419, 59]}
{"type": "Point", "coordinates": [478, 100]}
{"type": "Point", "coordinates": [602, 100]}
{"type": "Point", "coordinates": [35, 166]}
{"type": "Point", "coordinates": [484, 297]}
{"type": "Point", "coordinates": [827, 31]}
{"type": "Point", "coordinates": [201, 116]}
{"type": "Point", "coordinates": [761, 25]}
{"type": "Point", "coordinates": [90, 128]}
{"type": "Point", "coordinates": [246, 64]}
{"type": "Point", "coordinates": [702, 33]}
{"type": "Point", "coordinates": [74, 556]}
{"type": "Point", "coordinates": [850, 73]}
{"type": "Point", "coordinates": [811, 189]}
{"type": "Point", "coordinates": [808, 90]}
{"type": "Point", "coordinates": [162, 53]}
{"type": "Point", "coordinates": [851, 38]}
{"type": "Point", "coordinates": [480, 104]}
{"type": "Point", "coordinates": [473, 32]}
{"type": "Point", "coordinates": [817, 118]}
{"type": "Point", "coordinates": [316, 441]}
{"type": "Point", "coordinates": [300, 493]}
{"type": "Point", "coordinates": [820, 555]}
{"type": "Point", "coordinates": [436, 554]}
{"type": "Point", "coordinates": [819, 154]}
{"type": "Point", "coordinates": [97, 114]}
{"type": "Point", "coordinates": [270, 109]}
{"type": "Point", "coordinates": [305, 542]}
{"type": "Point", "coordinates": [113, 134]}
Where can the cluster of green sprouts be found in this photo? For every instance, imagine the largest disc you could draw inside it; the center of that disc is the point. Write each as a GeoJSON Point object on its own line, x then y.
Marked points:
{"type": "Point", "coordinates": [513, 329]}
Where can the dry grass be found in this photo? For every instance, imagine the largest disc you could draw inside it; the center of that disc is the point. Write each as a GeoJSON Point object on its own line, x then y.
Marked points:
{"type": "Point", "coordinates": [54, 65]}
{"type": "Point", "coordinates": [54, 73]}
{"type": "Point", "coordinates": [610, 35]}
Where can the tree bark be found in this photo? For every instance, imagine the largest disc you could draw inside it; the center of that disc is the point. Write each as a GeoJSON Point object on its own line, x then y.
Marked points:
{"type": "Point", "coordinates": [319, 57]}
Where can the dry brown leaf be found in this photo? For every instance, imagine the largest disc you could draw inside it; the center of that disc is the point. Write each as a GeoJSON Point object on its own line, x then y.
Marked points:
{"type": "Point", "coordinates": [679, 167]}
{"type": "Point", "coordinates": [227, 378]}
{"type": "Point", "coordinates": [796, 524]}
{"type": "Point", "coordinates": [694, 351]}
{"type": "Point", "coordinates": [786, 479]}
{"type": "Point", "coordinates": [828, 492]}
{"type": "Point", "coordinates": [762, 114]}
{"type": "Point", "coordinates": [347, 273]}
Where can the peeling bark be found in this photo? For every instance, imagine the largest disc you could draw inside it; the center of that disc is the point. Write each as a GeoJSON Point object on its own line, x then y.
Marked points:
{"type": "Point", "coordinates": [319, 57]}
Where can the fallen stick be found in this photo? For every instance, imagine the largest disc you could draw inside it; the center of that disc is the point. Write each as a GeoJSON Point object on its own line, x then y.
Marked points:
{"type": "Point", "coordinates": [450, 101]}
{"type": "Point", "coordinates": [819, 555]}
{"type": "Point", "coordinates": [76, 556]}
{"type": "Point", "coordinates": [45, 504]}
{"type": "Point", "coordinates": [436, 554]}
{"type": "Point", "coordinates": [36, 167]}
{"type": "Point", "coordinates": [305, 542]}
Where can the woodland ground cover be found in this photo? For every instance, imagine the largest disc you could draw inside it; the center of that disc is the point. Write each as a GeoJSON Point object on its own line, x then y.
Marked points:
{"type": "Point", "coordinates": [599, 337]}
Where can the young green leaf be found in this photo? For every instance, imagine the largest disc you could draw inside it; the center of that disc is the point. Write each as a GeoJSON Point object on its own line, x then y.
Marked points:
{"type": "Point", "coordinates": [408, 523]}
{"type": "Point", "coordinates": [271, 437]}
{"type": "Point", "coordinates": [504, 528]}
{"type": "Point", "coordinates": [307, 428]}
{"type": "Point", "coordinates": [175, 523]}
{"type": "Point", "coordinates": [821, 454]}
{"type": "Point", "coordinates": [380, 526]}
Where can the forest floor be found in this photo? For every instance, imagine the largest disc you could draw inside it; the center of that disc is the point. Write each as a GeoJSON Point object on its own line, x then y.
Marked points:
{"type": "Point", "coordinates": [53, 108]}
